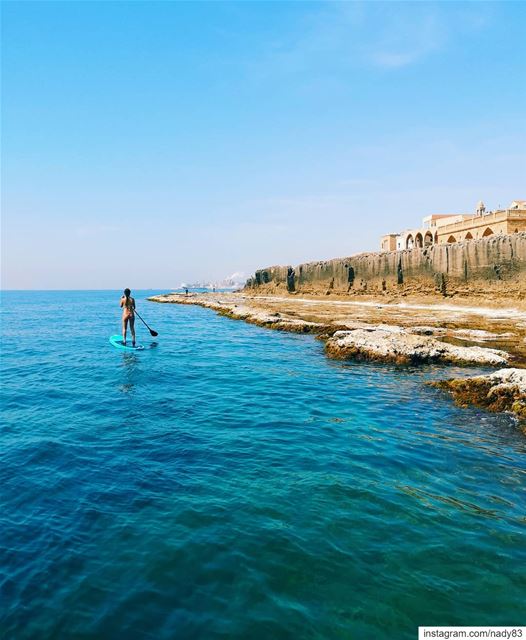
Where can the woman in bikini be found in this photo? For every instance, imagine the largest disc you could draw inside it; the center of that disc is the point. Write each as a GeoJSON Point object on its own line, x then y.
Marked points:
{"type": "Point", "coordinates": [128, 315]}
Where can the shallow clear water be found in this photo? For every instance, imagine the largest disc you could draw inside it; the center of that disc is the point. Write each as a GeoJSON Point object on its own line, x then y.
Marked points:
{"type": "Point", "coordinates": [230, 481]}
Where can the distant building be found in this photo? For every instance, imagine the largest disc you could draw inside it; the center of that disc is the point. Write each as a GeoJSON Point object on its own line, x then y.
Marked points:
{"type": "Point", "coordinates": [388, 242]}
{"type": "Point", "coordinates": [442, 228]}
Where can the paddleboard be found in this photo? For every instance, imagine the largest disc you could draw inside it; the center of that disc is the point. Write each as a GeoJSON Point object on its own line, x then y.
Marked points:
{"type": "Point", "coordinates": [117, 342]}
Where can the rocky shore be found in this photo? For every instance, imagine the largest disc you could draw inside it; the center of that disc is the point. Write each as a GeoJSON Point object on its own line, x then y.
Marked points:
{"type": "Point", "coordinates": [503, 390]}
{"type": "Point", "coordinates": [408, 333]}
{"type": "Point", "coordinates": [390, 343]}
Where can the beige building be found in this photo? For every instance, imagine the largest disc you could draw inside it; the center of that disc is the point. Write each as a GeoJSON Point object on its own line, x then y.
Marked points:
{"type": "Point", "coordinates": [388, 242]}
{"type": "Point", "coordinates": [457, 227]}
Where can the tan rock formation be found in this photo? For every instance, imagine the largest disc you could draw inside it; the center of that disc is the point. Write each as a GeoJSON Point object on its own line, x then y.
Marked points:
{"type": "Point", "coordinates": [490, 267]}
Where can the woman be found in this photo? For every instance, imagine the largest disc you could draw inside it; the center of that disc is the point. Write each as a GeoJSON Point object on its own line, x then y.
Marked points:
{"type": "Point", "coordinates": [128, 315]}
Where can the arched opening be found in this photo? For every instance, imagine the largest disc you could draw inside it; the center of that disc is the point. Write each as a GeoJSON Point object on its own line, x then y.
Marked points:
{"type": "Point", "coordinates": [419, 241]}
{"type": "Point", "coordinates": [428, 239]}
{"type": "Point", "coordinates": [468, 236]}
{"type": "Point", "coordinates": [451, 239]}
{"type": "Point", "coordinates": [516, 231]}
{"type": "Point", "coordinates": [436, 237]}
{"type": "Point", "coordinates": [409, 242]}
{"type": "Point", "coordinates": [487, 233]}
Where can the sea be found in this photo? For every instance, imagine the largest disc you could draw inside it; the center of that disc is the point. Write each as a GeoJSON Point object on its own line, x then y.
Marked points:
{"type": "Point", "coordinates": [230, 481]}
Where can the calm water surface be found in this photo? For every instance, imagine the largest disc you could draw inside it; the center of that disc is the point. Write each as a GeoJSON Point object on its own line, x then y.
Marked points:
{"type": "Point", "coordinates": [231, 482]}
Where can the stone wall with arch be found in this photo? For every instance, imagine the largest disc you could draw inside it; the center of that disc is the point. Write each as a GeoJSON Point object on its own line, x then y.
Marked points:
{"type": "Point", "coordinates": [496, 264]}
{"type": "Point", "coordinates": [418, 239]}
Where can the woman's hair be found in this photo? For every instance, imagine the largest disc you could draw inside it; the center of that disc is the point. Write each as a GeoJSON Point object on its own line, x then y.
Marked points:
{"type": "Point", "coordinates": [127, 292]}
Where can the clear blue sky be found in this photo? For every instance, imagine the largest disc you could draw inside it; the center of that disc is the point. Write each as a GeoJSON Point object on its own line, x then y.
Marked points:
{"type": "Point", "coordinates": [148, 143]}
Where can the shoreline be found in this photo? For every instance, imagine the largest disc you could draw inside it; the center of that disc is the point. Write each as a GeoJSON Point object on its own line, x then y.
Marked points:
{"type": "Point", "coordinates": [410, 332]}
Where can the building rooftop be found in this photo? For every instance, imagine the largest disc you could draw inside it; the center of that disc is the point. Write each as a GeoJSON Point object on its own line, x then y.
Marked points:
{"type": "Point", "coordinates": [435, 216]}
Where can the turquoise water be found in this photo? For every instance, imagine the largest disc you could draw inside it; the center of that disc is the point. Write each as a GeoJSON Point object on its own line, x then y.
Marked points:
{"type": "Point", "coordinates": [232, 482]}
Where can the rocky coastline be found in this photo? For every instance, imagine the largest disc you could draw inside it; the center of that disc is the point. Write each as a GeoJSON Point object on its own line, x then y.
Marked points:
{"type": "Point", "coordinates": [503, 390]}
{"type": "Point", "coordinates": [411, 333]}
{"type": "Point", "coordinates": [476, 270]}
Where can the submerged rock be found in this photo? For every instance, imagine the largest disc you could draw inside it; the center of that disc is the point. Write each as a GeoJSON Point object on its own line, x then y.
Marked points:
{"type": "Point", "coordinates": [388, 343]}
{"type": "Point", "coordinates": [428, 331]}
{"type": "Point", "coordinates": [503, 390]}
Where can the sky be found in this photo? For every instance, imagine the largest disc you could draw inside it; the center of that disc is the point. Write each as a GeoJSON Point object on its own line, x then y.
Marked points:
{"type": "Point", "coordinates": [145, 144]}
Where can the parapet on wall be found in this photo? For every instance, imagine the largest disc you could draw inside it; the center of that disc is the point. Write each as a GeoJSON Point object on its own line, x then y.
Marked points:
{"type": "Point", "coordinates": [497, 263]}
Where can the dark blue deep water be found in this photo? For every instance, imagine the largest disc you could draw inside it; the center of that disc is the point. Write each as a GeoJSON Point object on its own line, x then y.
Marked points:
{"type": "Point", "coordinates": [232, 482]}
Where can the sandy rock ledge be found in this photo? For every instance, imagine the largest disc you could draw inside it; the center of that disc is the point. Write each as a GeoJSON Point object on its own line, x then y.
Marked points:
{"type": "Point", "coordinates": [503, 390]}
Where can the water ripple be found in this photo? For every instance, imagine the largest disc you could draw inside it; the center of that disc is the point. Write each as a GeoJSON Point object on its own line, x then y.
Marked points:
{"type": "Point", "coordinates": [232, 482]}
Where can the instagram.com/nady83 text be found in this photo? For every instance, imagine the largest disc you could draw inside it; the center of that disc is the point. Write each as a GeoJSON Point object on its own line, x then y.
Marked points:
{"type": "Point", "coordinates": [448, 633]}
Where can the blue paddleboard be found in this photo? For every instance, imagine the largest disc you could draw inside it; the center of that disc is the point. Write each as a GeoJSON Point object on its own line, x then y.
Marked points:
{"type": "Point", "coordinates": [117, 342]}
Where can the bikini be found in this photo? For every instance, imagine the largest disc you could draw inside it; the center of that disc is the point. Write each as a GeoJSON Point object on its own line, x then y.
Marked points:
{"type": "Point", "coordinates": [127, 311]}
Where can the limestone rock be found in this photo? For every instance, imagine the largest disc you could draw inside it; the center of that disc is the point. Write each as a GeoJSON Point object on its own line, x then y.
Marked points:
{"type": "Point", "coordinates": [390, 343]}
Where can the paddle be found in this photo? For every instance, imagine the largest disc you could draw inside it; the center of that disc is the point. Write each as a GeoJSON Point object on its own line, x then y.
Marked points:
{"type": "Point", "coordinates": [153, 333]}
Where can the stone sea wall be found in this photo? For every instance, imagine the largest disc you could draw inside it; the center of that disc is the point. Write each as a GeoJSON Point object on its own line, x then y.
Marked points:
{"type": "Point", "coordinates": [495, 265]}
